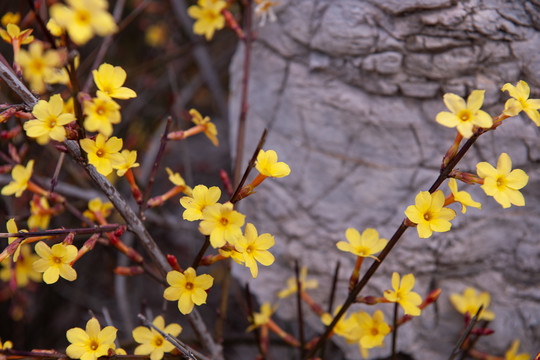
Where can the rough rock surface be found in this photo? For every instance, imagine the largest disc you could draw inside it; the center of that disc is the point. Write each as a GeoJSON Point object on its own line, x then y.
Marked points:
{"type": "Point", "coordinates": [349, 91]}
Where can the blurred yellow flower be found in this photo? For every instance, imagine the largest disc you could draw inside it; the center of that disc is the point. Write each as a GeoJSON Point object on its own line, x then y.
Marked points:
{"type": "Point", "coordinates": [208, 127]}
{"type": "Point", "coordinates": [503, 183]}
{"type": "Point", "coordinates": [520, 101]}
{"type": "Point", "coordinates": [21, 176]}
{"type": "Point", "coordinates": [40, 213]}
{"type": "Point", "coordinates": [156, 35]}
{"type": "Point", "coordinates": [103, 153]}
{"type": "Point", "coordinates": [152, 342]}
{"type": "Point", "coordinates": [222, 223]}
{"type": "Point", "coordinates": [207, 14]}
{"type": "Point", "coordinates": [92, 343]}
{"type": "Point", "coordinates": [188, 288]}
{"type": "Point", "coordinates": [263, 317]}
{"type": "Point", "coordinates": [364, 245]}
{"type": "Point", "coordinates": [6, 345]}
{"type": "Point", "coordinates": [368, 332]}
{"type": "Point", "coordinates": [403, 294]}
{"type": "Point", "coordinates": [39, 66]}
{"type": "Point", "coordinates": [292, 286]}
{"type": "Point", "coordinates": [10, 18]}
{"type": "Point", "coordinates": [465, 116]}
{"type": "Point", "coordinates": [50, 120]}
{"type": "Point", "coordinates": [24, 272]}
{"type": "Point", "coordinates": [109, 80]}
{"type": "Point", "coordinates": [470, 301]}
{"type": "Point", "coordinates": [98, 209]}
{"type": "Point", "coordinates": [511, 353]}
{"type": "Point", "coordinates": [55, 262]}
{"type": "Point", "coordinates": [84, 18]}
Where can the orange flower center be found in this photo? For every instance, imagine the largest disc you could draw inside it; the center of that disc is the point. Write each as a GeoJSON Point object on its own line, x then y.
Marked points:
{"type": "Point", "coordinates": [223, 221]}
{"type": "Point", "coordinates": [158, 341]}
{"type": "Point", "coordinates": [82, 16]}
{"type": "Point", "coordinates": [464, 115]}
{"type": "Point", "coordinates": [374, 331]}
{"type": "Point", "coordinates": [100, 110]}
{"type": "Point", "coordinates": [56, 260]}
{"type": "Point", "coordinates": [100, 153]}
{"type": "Point", "coordinates": [94, 345]}
{"type": "Point", "coordinates": [189, 286]}
{"type": "Point", "coordinates": [427, 216]}
{"type": "Point", "coordinates": [52, 121]}
{"type": "Point", "coordinates": [501, 182]}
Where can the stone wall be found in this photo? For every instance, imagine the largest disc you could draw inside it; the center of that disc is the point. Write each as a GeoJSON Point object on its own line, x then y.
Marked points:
{"type": "Point", "coordinates": [349, 91]}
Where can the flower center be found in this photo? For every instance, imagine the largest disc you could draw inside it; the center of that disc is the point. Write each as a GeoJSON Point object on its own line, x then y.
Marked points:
{"type": "Point", "coordinates": [158, 341]}
{"type": "Point", "coordinates": [56, 260]}
{"type": "Point", "coordinates": [100, 110]}
{"type": "Point", "coordinates": [374, 331]}
{"type": "Point", "coordinates": [82, 16]}
{"type": "Point", "coordinates": [100, 153]}
{"type": "Point", "coordinates": [94, 345]}
{"type": "Point", "coordinates": [223, 221]}
{"type": "Point", "coordinates": [427, 216]}
{"type": "Point", "coordinates": [189, 286]}
{"type": "Point", "coordinates": [52, 121]}
{"type": "Point", "coordinates": [501, 182]}
{"type": "Point", "coordinates": [464, 115]}
{"type": "Point", "coordinates": [37, 66]}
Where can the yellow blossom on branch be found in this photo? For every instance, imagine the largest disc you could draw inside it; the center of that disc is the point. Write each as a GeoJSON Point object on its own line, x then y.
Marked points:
{"type": "Point", "coordinates": [152, 342]}
{"type": "Point", "coordinates": [92, 343]}
{"type": "Point", "coordinates": [292, 285]}
{"type": "Point", "coordinates": [470, 301]}
{"type": "Point", "coordinates": [369, 332]}
{"type": "Point", "coordinates": [24, 272]}
{"type": "Point", "coordinates": [103, 153]}
{"type": "Point", "coordinates": [511, 354]}
{"type": "Point", "coordinates": [39, 66]}
{"type": "Point", "coordinates": [254, 248]}
{"type": "Point", "coordinates": [10, 18]}
{"type": "Point", "coordinates": [129, 161]}
{"type": "Point", "coordinates": [50, 120]}
{"type": "Point", "coordinates": [21, 176]}
{"type": "Point", "coordinates": [109, 80]}
{"type": "Point", "coordinates": [364, 245]}
{"type": "Point", "coordinates": [200, 199]}
{"type": "Point", "coordinates": [179, 181]}
{"type": "Point", "coordinates": [207, 14]}
{"type": "Point", "coordinates": [156, 35]}
{"type": "Point", "coordinates": [84, 18]}
{"type": "Point", "coordinates": [208, 127]}
{"type": "Point", "coordinates": [520, 101]}
{"type": "Point", "coordinates": [429, 213]}
{"type": "Point", "coordinates": [403, 294]}
{"type": "Point", "coordinates": [268, 165]}
{"type": "Point", "coordinates": [463, 197]}
{"type": "Point", "coordinates": [55, 262]}
{"type": "Point", "coordinates": [11, 227]}
{"type": "Point", "coordinates": [222, 223]}
{"type": "Point", "coordinates": [101, 112]}
{"type": "Point", "coordinates": [6, 345]}
{"type": "Point", "coordinates": [465, 116]}
{"type": "Point", "coordinates": [263, 317]}
{"type": "Point", "coordinates": [40, 213]}
{"type": "Point", "coordinates": [98, 210]}
{"type": "Point", "coordinates": [188, 288]}
{"type": "Point", "coordinates": [502, 182]}
{"type": "Point", "coordinates": [14, 35]}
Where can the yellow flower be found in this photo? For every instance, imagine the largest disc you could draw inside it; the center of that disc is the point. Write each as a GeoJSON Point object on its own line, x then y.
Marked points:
{"type": "Point", "coordinates": [207, 14]}
{"type": "Point", "coordinates": [344, 327]}
{"type": "Point", "coordinates": [364, 245]}
{"type": "Point", "coordinates": [178, 180]}
{"type": "Point", "coordinates": [54, 28]}
{"type": "Point", "coordinates": [463, 197]}
{"type": "Point", "coordinates": [268, 166]}
{"type": "Point", "coordinates": [84, 18]}
{"type": "Point", "coordinates": [222, 223]}
{"type": "Point", "coordinates": [10, 18]}
{"type": "Point", "coordinates": [265, 10]}
{"type": "Point", "coordinates": [103, 153]}
{"type": "Point", "coordinates": [14, 34]}
{"type": "Point", "coordinates": [50, 120]}
{"type": "Point", "coordinates": [429, 213]}
{"type": "Point", "coordinates": [263, 317]}
{"type": "Point", "coordinates": [511, 353]}
{"type": "Point", "coordinates": [96, 206]}
{"type": "Point", "coordinates": [101, 113]}
{"type": "Point", "coordinates": [55, 262]}
{"type": "Point", "coordinates": [92, 343]}
{"type": "Point", "coordinates": [188, 288]}
{"type": "Point", "coordinates": [129, 161]}
{"type": "Point", "coordinates": [38, 66]}
{"type": "Point", "coordinates": [11, 227]}
{"type": "Point", "coordinates": [503, 183]}
{"type": "Point", "coordinates": [156, 35]}
{"type": "Point", "coordinates": [292, 285]}
{"type": "Point", "coordinates": [21, 175]}
{"type": "Point", "coordinates": [202, 197]}
{"type": "Point", "coordinates": [40, 214]}
{"type": "Point", "coordinates": [6, 345]}
{"type": "Point", "coordinates": [470, 302]}
{"type": "Point", "coordinates": [109, 80]}
{"type": "Point", "coordinates": [465, 116]}
{"type": "Point", "coordinates": [255, 248]}
{"type": "Point", "coordinates": [369, 332]}
{"type": "Point", "coordinates": [209, 128]}
{"type": "Point", "coordinates": [403, 294]}
{"type": "Point", "coordinates": [520, 101]}
{"type": "Point", "coordinates": [152, 342]}
{"type": "Point", "coordinates": [23, 268]}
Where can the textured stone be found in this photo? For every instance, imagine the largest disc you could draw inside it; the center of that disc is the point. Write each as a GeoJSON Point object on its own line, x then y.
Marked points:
{"type": "Point", "coordinates": [349, 91]}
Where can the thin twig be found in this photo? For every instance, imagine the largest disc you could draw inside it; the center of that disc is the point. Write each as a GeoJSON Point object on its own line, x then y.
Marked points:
{"type": "Point", "coordinates": [466, 332]}
{"type": "Point", "coordinates": [54, 179]}
{"type": "Point", "coordinates": [223, 301]}
{"type": "Point", "coordinates": [244, 96]}
{"type": "Point", "coordinates": [201, 252]}
{"type": "Point", "coordinates": [394, 333]}
{"type": "Point", "coordinates": [54, 232]}
{"type": "Point", "coordinates": [251, 315]}
{"type": "Point", "coordinates": [157, 160]}
{"type": "Point", "coordinates": [331, 300]}
{"type": "Point", "coordinates": [250, 166]}
{"type": "Point", "coordinates": [299, 309]}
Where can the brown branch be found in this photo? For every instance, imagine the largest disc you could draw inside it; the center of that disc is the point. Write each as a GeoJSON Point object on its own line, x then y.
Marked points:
{"type": "Point", "coordinates": [53, 232]}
